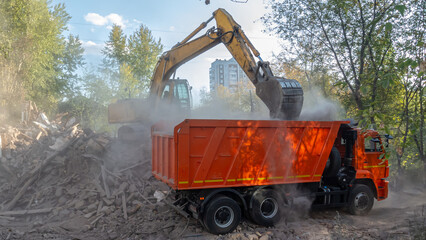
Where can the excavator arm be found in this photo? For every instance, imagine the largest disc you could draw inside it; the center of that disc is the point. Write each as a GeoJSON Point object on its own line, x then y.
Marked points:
{"type": "Point", "coordinates": [283, 97]}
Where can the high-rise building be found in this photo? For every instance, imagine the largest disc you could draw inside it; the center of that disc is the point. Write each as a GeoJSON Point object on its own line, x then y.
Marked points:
{"type": "Point", "coordinates": [226, 73]}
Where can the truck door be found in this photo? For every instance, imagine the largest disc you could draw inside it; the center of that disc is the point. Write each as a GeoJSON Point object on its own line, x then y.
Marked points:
{"type": "Point", "coordinates": [375, 159]}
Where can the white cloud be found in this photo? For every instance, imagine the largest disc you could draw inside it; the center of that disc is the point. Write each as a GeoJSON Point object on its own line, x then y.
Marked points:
{"type": "Point", "coordinates": [172, 28]}
{"type": "Point", "coordinates": [110, 19]}
{"type": "Point", "coordinates": [116, 19]}
{"type": "Point", "coordinates": [92, 48]}
{"type": "Point", "coordinates": [96, 19]}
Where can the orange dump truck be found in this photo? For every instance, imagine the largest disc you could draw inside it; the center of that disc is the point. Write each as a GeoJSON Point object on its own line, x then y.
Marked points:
{"type": "Point", "coordinates": [222, 170]}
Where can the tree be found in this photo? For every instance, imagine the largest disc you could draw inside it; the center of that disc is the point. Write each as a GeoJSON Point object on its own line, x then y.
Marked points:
{"type": "Point", "coordinates": [412, 65]}
{"type": "Point", "coordinates": [142, 56]}
{"type": "Point", "coordinates": [310, 76]}
{"type": "Point", "coordinates": [354, 37]}
{"type": "Point", "coordinates": [131, 60]}
{"type": "Point", "coordinates": [374, 51]}
{"type": "Point", "coordinates": [115, 51]}
{"type": "Point", "coordinates": [89, 104]}
{"type": "Point", "coordinates": [31, 46]}
{"type": "Point", "coordinates": [72, 59]}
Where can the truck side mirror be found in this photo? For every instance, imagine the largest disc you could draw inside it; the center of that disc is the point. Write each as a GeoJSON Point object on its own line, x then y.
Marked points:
{"type": "Point", "coordinates": [387, 136]}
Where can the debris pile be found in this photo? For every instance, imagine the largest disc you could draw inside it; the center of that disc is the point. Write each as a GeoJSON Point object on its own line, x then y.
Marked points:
{"type": "Point", "coordinates": [54, 173]}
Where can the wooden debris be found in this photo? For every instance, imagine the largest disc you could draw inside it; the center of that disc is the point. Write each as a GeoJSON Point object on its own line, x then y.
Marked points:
{"type": "Point", "coordinates": [123, 200]}
{"type": "Point", "coordinates": [39, 135]}
{"type": "Point", "coordinates": [128, 168]}
{"type": "Point", "coordinates": [97, 219]}
{"type": "Point", "coordinates": [7, 218]}
{"type": "Point", "coordinates": [34, 175]}
{"type": "Point", "coordinates": [25, 136]}
{"type": "Point", "coordinates": [103, 175]}
{"type": "Point", "coordinates": [88, 185]}
{"type": "Point", "coordinates": [26, 212]}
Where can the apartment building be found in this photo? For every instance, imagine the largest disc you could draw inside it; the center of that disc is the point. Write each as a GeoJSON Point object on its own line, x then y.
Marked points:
{"type": "Point", "coordinates": [226, 73]}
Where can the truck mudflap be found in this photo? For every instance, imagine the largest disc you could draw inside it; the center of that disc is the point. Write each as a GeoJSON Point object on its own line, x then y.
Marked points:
{"type": "Point", "coordinates": [382, 189]}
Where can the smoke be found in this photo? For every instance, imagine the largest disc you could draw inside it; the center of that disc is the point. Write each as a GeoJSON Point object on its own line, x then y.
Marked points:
{"type": "Point", "coordinates": [316, 107]}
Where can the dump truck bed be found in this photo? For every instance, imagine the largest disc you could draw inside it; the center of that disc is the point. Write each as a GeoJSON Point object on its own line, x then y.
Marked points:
{"type": "Point", "coordinates": [202, 154]}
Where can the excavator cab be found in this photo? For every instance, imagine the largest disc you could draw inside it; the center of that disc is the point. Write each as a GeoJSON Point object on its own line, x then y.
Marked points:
{"type": "Point", "coordinates": [178, 92]}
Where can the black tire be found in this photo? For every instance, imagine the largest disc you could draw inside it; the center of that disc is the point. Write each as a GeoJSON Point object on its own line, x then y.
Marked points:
{"type": "Point", "coordinates": [333, 164]}
{"type": "Point", "coordinates": [361, 200]}
{"type": "Point", "coordinates": [266, 208]}
{"type": "Point", "coordinates": [222, 215]}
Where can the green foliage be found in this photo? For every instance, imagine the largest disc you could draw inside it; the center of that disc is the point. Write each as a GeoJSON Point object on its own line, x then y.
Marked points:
{"type": "Point", "coordinates": [89, 105]}
{"type": "Point", "coordinates": [124, 73]}
{"type": "Point", "coordinates": [369, 54]}
{"type": "Point", "coordinates": [343, 40]}
{"type": "Point", "coordinates": [143, 53]}
{"type": "Point", "coordinates": [401, 8]}
{"type": "Point", "coordinates": [115, 49]}
{"type": "Point", "coordinates": [72, 59]}
{"type": "Point", "coordinates": [32, 47]}
{"type": "Point", "coordinates": [131, 60]}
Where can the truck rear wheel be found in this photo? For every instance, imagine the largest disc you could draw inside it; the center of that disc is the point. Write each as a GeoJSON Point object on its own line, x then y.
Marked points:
{"type": "Point", "coordinates": [266, 208]}
{"type": "Point", "coordinates": [361, 200]}
{"type": "Point", "coordinates": [222, 215]}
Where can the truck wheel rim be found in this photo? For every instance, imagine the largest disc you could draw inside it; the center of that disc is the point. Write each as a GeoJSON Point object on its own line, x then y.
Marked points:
{"type": "Point", "coordinates": [269, 208]}
{"type": "Point", "coordinates": [361, 201]}
{"type": "Point", "coordinates": [224, 216]}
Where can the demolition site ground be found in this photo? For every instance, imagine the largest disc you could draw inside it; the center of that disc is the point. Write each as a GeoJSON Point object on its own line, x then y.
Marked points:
{"type": "Point", "coordinates": [58, 181]}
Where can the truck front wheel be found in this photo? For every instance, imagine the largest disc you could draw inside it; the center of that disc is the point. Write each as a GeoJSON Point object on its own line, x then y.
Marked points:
{"type": "Point", "coordinates": [265, 209]}
{"type": "Point", "coordinates": [222, 215]}
{"type": "Point", "coordinates": [361, 200]}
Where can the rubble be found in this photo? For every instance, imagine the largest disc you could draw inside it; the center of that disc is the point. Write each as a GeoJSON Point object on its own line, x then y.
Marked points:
{"type": "Point", "coordinates": [60, 181]}
{"type": "Point", "coordinates": [55, 172]}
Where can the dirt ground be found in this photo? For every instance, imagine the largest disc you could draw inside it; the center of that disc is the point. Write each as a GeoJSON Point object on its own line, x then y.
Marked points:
{"type": "Point", "coordinates": [401, 216]}
{"type": "Point", "coordinates": [58, 181]}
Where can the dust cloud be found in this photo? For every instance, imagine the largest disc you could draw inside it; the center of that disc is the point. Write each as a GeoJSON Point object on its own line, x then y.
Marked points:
{"type": "Point", "coordinates": [219, 109]}
{"type": "Point", "coordinates": [170, 114]}
{"type": "Point", "coordinates": [316, 107]}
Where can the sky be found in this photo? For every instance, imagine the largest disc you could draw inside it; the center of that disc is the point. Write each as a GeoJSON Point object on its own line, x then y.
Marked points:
{"type": "Point", "coordinates": [171, 21]}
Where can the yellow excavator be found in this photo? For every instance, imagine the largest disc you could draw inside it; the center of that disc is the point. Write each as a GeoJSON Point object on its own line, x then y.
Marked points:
{"type": "Point", "coordinates": [283, 97]}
